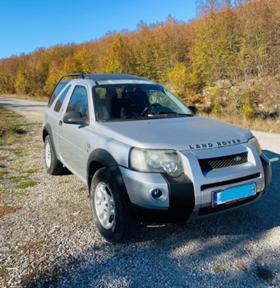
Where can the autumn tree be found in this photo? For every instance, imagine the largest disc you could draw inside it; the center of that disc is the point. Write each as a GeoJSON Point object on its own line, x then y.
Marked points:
{"type": "Point", "coordinates": [118, 57]}
{"type": "Point", "coordinates": [178, 78]}
{"type": "Point", "coordinates": [82, 61]}
{"type": "Point", "coordinates": [232, 41]}
{"type": "Point", "coordinates": [6, 84]}
{"type": "Point", "coordinates": [22, 82]}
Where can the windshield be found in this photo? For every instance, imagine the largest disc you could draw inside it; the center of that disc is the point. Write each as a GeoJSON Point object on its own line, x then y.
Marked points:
{"type": "Point", "coordinates": [136, 101]}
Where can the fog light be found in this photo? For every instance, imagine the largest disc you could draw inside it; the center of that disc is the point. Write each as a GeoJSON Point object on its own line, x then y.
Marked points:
{"type": "Point", "coordinates": [156, 193]}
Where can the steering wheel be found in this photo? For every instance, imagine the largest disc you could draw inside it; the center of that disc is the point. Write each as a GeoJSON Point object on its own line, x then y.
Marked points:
{"type": "Point", "coordinates": [149, 107]}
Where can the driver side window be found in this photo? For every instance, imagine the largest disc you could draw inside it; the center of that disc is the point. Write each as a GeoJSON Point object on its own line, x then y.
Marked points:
{"type": "Point", "coordinates": [79, 102]}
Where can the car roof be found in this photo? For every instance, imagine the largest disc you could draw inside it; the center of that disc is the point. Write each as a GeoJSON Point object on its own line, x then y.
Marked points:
{"type": "Point", "coordinates": [106, 77]}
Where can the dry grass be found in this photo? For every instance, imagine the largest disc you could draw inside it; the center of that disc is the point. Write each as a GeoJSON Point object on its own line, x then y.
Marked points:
{"type": "Point", "coordinates": [14, 174]}
{"type": "Point", "coordinates": [32, 246]}
{"type": "Point", "coordinates": [4, 210]}
{"type": "Point", "coordinates": [219, 268]}
{"type": "Point", "coordinates": [241, 265]}
{"type": "Point", "coordinates": [27, 97]}
{"type": "Point", "coordinates": [267, 125]}
{"type": "Point", "coordinates": [3, 272]}
{"type": "Point", "coordinates": [11, 126]}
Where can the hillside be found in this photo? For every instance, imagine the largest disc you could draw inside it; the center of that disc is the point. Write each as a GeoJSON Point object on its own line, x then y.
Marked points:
{"type": "Point", "coordinates": [226, 61]}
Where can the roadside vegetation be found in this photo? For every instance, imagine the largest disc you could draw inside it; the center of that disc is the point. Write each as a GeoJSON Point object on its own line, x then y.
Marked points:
{"type": "Point", "coordinates": [16, 174]}
{"type": "Point", "coordinates": [226, 61]}
{"type": "Point", "coordinates": [11, 125]}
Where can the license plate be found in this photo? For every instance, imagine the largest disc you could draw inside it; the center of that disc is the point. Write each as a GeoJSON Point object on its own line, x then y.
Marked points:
{"type": "Point", "coordinates": [233, 194]}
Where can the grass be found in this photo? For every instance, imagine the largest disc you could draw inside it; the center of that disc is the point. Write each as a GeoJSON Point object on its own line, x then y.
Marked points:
{"type": "Point", "coordinates": [26, 183]}
{"type": "Point", "coordinates": [12, 130]}
{"type": "Point", "coordinates": [83, 189]}
{"type": "Point", "coordinates": [19, 153]}
{"type": "Point", "coordinates": [3, 174]}
{"type": "Point", "coordinates": [3, 272]}
{"type": "Point", "coordinates": [218, 268]}
{"type": "Point", "coordinates": [2, 190]}
{"type": "Point", "coordinates": [33, 170]}
{"type": "Point", "coordinates": [11, 126]}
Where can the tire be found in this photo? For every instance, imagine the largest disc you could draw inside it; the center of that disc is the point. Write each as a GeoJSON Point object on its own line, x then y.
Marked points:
{"type": "Point", "coordinates": [52, 164]}
{"type": "Point", "coordinates": [118, 228]}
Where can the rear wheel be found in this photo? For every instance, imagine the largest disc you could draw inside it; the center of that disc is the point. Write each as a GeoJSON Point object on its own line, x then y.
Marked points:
{"type": "Point", "coordinates": [109, 206]}
{"type": "Point", "coordinates": [52, 164]}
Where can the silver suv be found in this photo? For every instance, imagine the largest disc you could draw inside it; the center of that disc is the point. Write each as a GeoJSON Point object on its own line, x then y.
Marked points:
{"type": "Point", "coordinates": [143, 152]}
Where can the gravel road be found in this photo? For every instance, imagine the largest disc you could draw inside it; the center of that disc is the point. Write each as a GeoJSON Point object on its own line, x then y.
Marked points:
{"type": "Point", "coordinates": [48, 238]}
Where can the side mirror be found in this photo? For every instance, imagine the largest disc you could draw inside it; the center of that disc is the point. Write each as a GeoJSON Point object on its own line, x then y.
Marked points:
{"type": "Point", "coordinates": [193, 109]}
{"type": "Point", "coordinates": [74, 118]}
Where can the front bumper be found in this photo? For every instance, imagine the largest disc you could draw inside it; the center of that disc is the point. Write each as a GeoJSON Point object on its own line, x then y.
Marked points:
{"type": "Point", "coordinates": [192, 192]}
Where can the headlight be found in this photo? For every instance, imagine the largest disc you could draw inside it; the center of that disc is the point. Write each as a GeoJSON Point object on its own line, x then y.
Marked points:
{"type": "Point", "coordinates": [160, 161]}
{"type": "Point", "coordinates": [253, 141]}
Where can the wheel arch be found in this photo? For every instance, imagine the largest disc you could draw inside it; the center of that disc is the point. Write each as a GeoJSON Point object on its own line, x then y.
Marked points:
{"type": "Point", "coordinates": [47, 130]}
{"type": "Point", "coordinates": [100, 158]}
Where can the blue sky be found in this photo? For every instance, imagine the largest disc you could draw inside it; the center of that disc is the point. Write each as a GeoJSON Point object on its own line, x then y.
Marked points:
{"type": "Point", "coordinates": [26, 25]}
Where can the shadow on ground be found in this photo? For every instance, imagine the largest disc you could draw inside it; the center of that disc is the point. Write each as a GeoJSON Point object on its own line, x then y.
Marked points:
{"type": "Point", "coordinates": [226, 249]}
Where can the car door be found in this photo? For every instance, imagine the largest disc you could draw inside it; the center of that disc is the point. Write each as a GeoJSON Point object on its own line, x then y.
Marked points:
{"type": "Point", "coordinates": [73, 140]}
{"type": "Point", "coordinates": [54, 115]}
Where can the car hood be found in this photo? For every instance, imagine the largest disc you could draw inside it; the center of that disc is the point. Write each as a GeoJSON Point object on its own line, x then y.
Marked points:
{"type": "Point", "coordinates": [184, 133]}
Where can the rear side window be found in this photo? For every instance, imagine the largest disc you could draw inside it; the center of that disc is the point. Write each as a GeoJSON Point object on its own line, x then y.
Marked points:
{"type": "Point", "coordinates": [57, 90]}
{"type": "Point", "coordinates": [79, 101]}
{"type": "Point", "coordinates": [60, 99]}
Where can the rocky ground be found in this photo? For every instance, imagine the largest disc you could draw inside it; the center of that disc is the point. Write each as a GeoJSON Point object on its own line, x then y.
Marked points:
{"type": "Point", "coordinates": [48, 238]}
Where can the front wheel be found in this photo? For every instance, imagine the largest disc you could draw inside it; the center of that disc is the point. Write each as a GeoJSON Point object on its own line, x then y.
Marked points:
{"type": "Point", "coordinates": [52, 164]}
{"type": "Point", "coordinates": [109, 206]}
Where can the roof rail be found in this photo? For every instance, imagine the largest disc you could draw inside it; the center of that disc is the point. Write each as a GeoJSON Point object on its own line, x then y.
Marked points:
{"type": "Point", "coordinates": [79, 75]}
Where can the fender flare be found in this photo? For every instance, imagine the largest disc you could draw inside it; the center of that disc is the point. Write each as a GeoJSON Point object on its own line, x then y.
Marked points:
{"type": "Point", "coordinates": [104, 158]}
{"type": "Point", "coordinates": [47, 129]}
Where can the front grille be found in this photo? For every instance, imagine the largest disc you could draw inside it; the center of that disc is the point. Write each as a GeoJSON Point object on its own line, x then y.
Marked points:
{"type": "Point", "coordinates": [209, 164]}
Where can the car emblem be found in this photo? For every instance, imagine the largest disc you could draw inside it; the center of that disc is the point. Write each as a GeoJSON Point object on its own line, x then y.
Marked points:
{"type": "Point", "coordinates": [237, 158]}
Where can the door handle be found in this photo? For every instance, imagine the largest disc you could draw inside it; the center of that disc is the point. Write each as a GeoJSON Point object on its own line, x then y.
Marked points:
{"type": "Point", "coordinates": [60, 123]}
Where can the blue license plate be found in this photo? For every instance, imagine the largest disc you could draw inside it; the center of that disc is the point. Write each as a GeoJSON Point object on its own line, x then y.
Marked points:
{"type": "Point", "coordinates": [233, 194]}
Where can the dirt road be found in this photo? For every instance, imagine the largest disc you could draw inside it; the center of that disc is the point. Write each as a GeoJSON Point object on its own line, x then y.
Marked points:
{"type": "Point", "coordinates": [48, 239]}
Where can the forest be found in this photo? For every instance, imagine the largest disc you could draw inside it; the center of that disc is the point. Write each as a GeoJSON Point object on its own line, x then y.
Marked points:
{"type": "Point", "coordinates": [226, 60]}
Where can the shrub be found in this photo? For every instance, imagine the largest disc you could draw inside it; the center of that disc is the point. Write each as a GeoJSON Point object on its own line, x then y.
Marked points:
{"type": "Point", "coordinates": [216, 108]}
{"type": "Point", "coordinates": [177, 77]}
{"type": "Point", "coordinates": [247, 105]}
